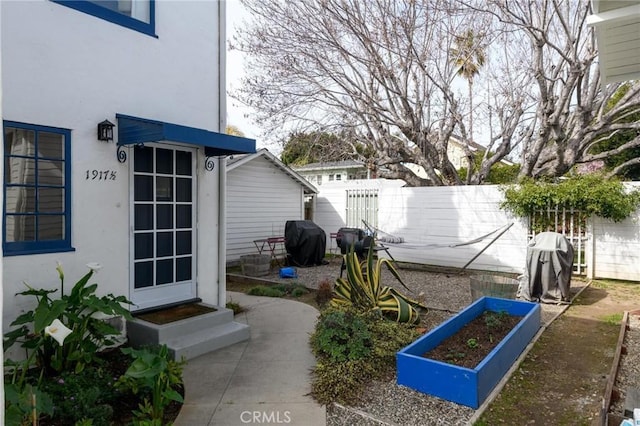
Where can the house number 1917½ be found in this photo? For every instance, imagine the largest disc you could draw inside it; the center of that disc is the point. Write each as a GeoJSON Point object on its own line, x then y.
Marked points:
{"type": "Point", "coordinates": [101, 175]}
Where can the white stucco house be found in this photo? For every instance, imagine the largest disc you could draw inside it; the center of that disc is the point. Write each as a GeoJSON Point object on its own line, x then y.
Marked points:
{"type": "Point", "coordinates": [262, 195]}
{"type": "Point", "coordinates": [137, 204]}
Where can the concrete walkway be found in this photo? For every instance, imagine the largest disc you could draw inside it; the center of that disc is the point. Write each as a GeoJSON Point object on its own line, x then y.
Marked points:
{"type": "Point", "coordinates": [265, 380]}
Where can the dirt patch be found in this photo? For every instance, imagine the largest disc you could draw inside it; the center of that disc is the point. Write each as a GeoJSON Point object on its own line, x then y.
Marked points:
{"type": "Point", "coordinates": [243, 284]}
{"type": "Point", "coordinates": [175, 313]}
{"type": "Point", "coordinates": [562, 379]}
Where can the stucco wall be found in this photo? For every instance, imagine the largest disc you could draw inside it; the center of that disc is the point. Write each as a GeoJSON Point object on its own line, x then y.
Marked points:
{"type": "Point", "coordinates": [67, 69]}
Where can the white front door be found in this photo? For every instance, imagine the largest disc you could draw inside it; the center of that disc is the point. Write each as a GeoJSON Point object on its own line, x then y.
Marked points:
{"type": "Point", "coordinates": [163, 257]}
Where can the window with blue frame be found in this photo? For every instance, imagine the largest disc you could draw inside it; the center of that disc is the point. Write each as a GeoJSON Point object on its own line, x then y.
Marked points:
{"type": "Point", "coordinates": [137, 15]}
{"type": "Point", "coordinates": [37, 193]}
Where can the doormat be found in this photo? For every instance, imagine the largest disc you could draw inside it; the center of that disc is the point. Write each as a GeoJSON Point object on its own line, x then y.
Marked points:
{"type": "Point", "coordinates": [175, 313]}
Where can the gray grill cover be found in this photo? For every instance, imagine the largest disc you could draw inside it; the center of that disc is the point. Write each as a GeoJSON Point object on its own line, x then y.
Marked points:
{"type": "Point", "coordinates": [549, 268]}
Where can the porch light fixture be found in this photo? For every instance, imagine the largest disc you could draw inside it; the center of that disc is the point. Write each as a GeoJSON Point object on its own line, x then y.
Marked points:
{"type": "Point", "coordinates": [105, 131]}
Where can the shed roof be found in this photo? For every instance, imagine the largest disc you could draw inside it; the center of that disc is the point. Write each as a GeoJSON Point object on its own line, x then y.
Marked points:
{"type": "Point", "coordinates": [235, 161]}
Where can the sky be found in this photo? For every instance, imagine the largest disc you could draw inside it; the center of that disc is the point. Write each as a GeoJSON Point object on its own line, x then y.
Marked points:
{"type": "Point", "coordinates": [237, 113]}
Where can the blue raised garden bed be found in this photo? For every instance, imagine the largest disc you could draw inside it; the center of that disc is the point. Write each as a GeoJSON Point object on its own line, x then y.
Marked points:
{"type": "Point", "coordinates": [466, 386]}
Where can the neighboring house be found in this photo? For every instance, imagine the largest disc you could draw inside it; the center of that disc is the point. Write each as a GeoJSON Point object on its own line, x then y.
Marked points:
{"type": "Point", "coordinates": [340, 171]}
{"type": "Point", "coordinates": [456, 151]}
{"type": "Point", "coordinates": [334, 171]}
{"type": "Point", "coordinates": [262, 195]}
{"type": "Point", "coordinates": [149, 205]}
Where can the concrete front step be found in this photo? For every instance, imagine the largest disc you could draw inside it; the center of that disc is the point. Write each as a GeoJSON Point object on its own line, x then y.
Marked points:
{"type": "Point", "coordinates": [153, 333]}
{"type": "Point", "coordinates": [190, 337]}
{"type": "Point", "coordinates": [195, 344]}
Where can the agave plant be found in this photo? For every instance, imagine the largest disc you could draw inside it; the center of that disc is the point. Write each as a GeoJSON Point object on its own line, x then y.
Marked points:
{"type": "Point", "coordinates": [362, 289]}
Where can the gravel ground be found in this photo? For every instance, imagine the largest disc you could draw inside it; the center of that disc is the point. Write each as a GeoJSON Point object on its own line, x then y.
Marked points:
{"type": "Point", "coordinates": [386, 403]}
{"type": "Point", "coordinates": [629, 368]}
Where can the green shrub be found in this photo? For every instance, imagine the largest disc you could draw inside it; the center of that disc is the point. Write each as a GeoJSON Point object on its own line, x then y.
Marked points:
{"type": "Point", "coordinates": [591, 194]}
{"type": "Point", "coordinates": [87, 395]}
{"type": "Point", "coordinates": [340, 378]}
{"type": "Point", "coordinates": [389, 338]}
{"type": "Point", "coordinates": [279, 290]}
{"type": "Point", "coordinates": [341, 335]}
{"type": "Point", "coordinates": [235, 307]}
{"type": "Point", "coordinates": [299, 291]}
{"type": "Point", "coordinates": [292, 289]}
{"type": "Point", "coordinates": [263, 290]}
{"type": "Point", "coordinates": [340, 382]}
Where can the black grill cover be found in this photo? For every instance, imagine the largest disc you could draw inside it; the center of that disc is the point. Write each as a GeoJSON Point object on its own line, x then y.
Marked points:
{"type": "Point", "coordinates": [305, 242]}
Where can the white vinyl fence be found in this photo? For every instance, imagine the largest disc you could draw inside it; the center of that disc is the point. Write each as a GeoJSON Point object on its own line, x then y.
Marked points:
{"type": "Point", "coordinates": [435, 221]}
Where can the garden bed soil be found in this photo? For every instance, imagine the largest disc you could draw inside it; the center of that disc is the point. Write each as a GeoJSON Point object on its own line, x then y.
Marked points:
{"type": "Point", "coordinates": [473, 342]}
{"type": "Point", "coordinates": [244, 284]}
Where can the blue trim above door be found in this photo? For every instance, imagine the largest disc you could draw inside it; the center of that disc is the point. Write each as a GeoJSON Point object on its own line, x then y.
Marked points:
{"type": "Point", "coordinates": [134, 130]}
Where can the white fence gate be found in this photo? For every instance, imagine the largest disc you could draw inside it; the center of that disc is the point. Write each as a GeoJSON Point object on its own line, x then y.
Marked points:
{"type": "Point", "coordinates": [568, 222]}
{"type": "Point", "coordinates": [362, 204]}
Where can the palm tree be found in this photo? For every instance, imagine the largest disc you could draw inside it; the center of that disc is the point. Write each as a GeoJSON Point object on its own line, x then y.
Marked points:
{"type": "Point", "coordinates": [468, 55]}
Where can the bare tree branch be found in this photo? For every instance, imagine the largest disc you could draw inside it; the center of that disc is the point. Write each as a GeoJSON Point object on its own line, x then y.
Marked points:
{"type": "Point", "coordinates": [382, 72]}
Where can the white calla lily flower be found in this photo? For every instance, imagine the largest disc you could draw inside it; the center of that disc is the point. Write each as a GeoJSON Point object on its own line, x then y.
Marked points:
{"type": "Point", "coordinates": [59, 269]}
{"type": "Point", "coordinates": [94, 266]}
{"type": "Point", "coordinates": [58, 331]}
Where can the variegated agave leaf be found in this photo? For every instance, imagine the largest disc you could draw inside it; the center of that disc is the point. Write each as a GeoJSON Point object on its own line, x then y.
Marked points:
{"type": "Point", "coordinates": [363, 290]}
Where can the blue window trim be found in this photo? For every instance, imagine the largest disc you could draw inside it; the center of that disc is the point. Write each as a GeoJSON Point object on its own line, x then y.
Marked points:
{"type": "Point", "coordinates": [37, 247]}
{"type": "Point", "coordinates": [115, 17]}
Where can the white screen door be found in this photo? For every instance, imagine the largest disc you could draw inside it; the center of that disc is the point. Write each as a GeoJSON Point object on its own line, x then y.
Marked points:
{"type": "Point", "coordinates": [163, 232]}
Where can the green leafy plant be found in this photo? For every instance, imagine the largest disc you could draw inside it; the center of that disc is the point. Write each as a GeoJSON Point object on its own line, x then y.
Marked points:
{"type": "Point", "coordinates": [235, 307]}
{"type": "Point", "coordinates": [279, 290]}
{"type": "Point", "coordinates": [85, 396]}
{"type": "Point", "coordinates": [158, 376]}
{"type": "Point", "coordinates": [60, 334]}
{"type": "Point", "coordinates": [263, 290]}
{"type": "Point", "coordinates": [590, 194]}
{"type": "Point", "coordinates": [341, 382]}
{"type": "Point", "coordinates": [472, 343]}
{"type": "Point", "coordinates": [78, 311]}
{"type": "Point", "coordinates": [344, 379]}
{"type": "Point", "coordinates": [388, 338]}
{"type": "Point", "coordinates": [341, 335]}
{"type": "Point", "coordinates": [494, 319]}
{"type": "Point", "coordinates": [454, 356]}
{"type": "Point", "coordinates": [362, 289]}
{"type": "Point", "coordinates": [299, 291]}
{"type": "Point", "coordinates": [24, 404]}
